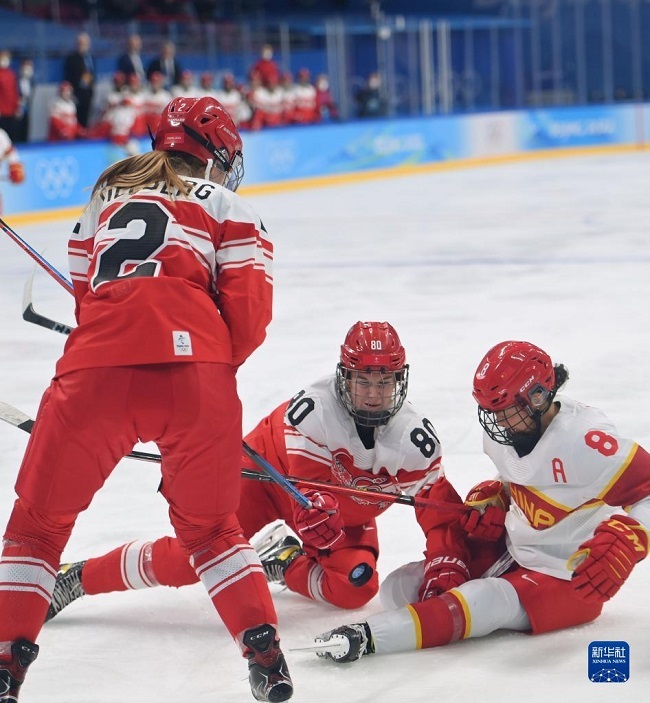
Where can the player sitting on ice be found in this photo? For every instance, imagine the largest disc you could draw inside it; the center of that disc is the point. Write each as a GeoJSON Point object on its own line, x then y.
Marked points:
{"type": "Point", "coordinates": [572, 543]}
{"type": "Point", "coordinates": [353, 428]}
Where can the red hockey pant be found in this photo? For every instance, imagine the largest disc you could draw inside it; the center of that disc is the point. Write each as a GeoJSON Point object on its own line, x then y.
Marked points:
{"type": "Point", "coordinates": [88, 420]}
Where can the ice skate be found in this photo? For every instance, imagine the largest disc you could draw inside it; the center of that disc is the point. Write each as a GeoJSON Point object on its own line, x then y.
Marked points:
{"type": "Point", "coordinates": [13, 670]}
{"type": "Point", "coordinates": [278, 556]}
{"type": "Point", "coordinates": [67, 588]}
{"type": "Point", "coordinates": [347, 643]}
{"type": "Point", "coordinates": [267, 669]}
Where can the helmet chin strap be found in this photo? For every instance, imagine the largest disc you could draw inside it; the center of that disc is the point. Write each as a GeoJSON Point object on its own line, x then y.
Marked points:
{"type": "Point", "coordinates": [208, 169]}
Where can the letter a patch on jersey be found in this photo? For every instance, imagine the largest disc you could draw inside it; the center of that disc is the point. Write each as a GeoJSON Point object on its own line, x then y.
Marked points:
{"type": "Point", "coordinates": [182, 343]}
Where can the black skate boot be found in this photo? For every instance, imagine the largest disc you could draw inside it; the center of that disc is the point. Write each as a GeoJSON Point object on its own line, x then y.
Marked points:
{"type": "Point", "coordinates": [277, 557]}
{"type": "Point", "coordinates": [12, 671]}
{"type": "Point", "coordinates": [267, 669]}
{"type": "Point", "coordinates": [67, 588]}
{"type": "Point", "coordinates": [346, 643]}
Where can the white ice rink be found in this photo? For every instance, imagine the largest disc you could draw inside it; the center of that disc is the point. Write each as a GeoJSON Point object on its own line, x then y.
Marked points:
{"type": "Point", "coordinates": [556, 252]}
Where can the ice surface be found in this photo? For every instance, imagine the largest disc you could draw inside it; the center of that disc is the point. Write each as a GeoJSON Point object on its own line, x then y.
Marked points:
{"type": "Point", "coordinates": [554, 251]}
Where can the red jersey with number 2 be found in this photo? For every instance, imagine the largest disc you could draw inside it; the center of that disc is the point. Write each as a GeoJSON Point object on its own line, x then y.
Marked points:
{"type": "Point", "coordinates": [161, 279]}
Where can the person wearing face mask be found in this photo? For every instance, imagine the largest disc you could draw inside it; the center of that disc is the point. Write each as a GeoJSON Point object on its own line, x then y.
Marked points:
{"type": "Point", "coordinates": [370, 99]}
{"type": "Point", "coordinates": [325, 104]}
{"type": "Point", "coordinates": [26, 92]}
{"type": "Point", "coordinates": [9, 96]}
{"type": "Point", "coordinates": [266, 68]}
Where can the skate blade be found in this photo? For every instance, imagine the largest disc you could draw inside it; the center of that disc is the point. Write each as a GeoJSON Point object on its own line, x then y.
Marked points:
{"type": "Point", "coordinates": [269, 536]}
{"type": "Point", "coordinates": [324, 648]}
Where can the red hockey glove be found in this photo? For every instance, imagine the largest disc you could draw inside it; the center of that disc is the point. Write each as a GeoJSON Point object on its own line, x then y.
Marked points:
{"type": "Point", "coordinates": [490, 502]}
{"type": "Point", "coordinates": [603, 563]}
{"type": "Point", "coordinates": [16, 172]}
{"type": "Point", "coordinates": [321, 526]}
{"type": "Point", "coordinates": [442, 574]}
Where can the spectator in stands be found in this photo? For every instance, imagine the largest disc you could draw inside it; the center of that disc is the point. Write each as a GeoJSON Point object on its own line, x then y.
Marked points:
{"type": "Point", "coordinates": [136, 93]}
{"type": "Point", "coordinates": [266, 68]}
{"type": "Point", "coordinates": [186, 87]}
{"type": "Point", "coordinates": [325, 104]}
{"type": "Point", "coordinates": [233, 101]}
{"type": "Point", "coordinates": [288, 96]}
{"type": "Point", "coordinates": [370, 99]}
{"type": "Point", "coordinates": [167, 65]}
{"type": "Point", "coordinates": [154, 100]}
{"type": "Point", "coordinates": [26, 92]}
{"type": "Point", "coordinates": [305, 108]}
{"type": "Point", "coordinates": [118, 89]}
{"type": "Point", "coordinates": [9, 96]}
{"type": "Point", "coordinates": [131, 60]}
{"type": "Point", "coordinates": [207, 84]}
{"type": "Point", "coordinates": [118, 112]}
{"type": "Point", "coordinates": [267, 102]}
{"type": "Point", "coordinates": [79, 71]}
{"type": "Point", "coordinates": [64, 123]}
{"type": "Point", "coordinates": [9, 155]}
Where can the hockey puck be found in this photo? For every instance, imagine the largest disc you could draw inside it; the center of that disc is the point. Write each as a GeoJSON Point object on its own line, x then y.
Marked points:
{"type": "Point", "coordinates": [361, 574]}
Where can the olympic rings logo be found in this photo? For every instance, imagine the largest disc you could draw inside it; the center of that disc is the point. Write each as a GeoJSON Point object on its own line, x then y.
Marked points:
{"type": "Point", "coordinates": [281, 155]}
{"type": "Point", "coordinates": [57, 176]}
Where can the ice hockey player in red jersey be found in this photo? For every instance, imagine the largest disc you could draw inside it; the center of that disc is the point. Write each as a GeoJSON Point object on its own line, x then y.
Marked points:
{"type": "Point", "coordinates": [353, 428]}
{"type": "Point", "coordinates": [577, 523]}
{"type": "Point", "coordinates": [173, 289]}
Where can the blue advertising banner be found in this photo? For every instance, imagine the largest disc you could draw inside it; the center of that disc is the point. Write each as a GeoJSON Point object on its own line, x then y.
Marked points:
{"type": "Point", "coordinates": [61, 175]}
{"type": "Point", "coordinates": [303, 152]}
{"type": "Point", "coordinates": [575, 127]}
{"type": "Point", "coordinates": [58, 175]}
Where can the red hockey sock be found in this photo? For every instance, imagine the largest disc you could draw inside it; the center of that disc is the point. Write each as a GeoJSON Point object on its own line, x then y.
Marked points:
{"type": "Point", "coordinates": [125, 568]}
{"type": "Point", "coordinates": [442, 620]}
{"type": "Point", "coordinates": [233, 575]}
{"type": "Point", "coordinates": [171, 565]}
{"type": "Point", "coordinates": [27, 575]}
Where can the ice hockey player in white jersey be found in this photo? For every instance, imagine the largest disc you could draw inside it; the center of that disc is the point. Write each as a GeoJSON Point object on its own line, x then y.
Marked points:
{"type": "Point", "coordinates": [353, 429]}
{"type": "Point", "coordinates": [577, 522]}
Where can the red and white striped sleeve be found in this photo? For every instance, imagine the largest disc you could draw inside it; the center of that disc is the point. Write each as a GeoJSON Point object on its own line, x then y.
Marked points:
{"type": "Point", "coordinates": [80, 252]}
{"type": "Point", "coordinates": [244, 263]}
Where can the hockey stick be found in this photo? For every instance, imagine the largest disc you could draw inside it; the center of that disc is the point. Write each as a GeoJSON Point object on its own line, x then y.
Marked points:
{"type": "Point", "coordinates": [275, 475]}
{"type": "Point", "coordinates": [30, 315]}
{"type": "Point", "coordinates": [43, 263]}
{"type": "Point", "coordinates": [280, 479]}
{"type": "Point", "coordinates": [24, 422]}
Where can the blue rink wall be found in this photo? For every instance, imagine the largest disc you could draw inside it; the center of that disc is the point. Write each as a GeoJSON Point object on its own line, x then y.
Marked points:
{"type": "Point", "coordinates": [60, 176]}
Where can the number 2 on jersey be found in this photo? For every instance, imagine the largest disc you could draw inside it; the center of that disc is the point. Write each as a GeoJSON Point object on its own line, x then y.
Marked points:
{"type": "Point", "coordinates": [111, 263]}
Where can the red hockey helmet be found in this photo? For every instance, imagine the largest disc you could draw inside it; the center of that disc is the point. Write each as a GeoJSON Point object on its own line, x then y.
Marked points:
{"type": "Point", "coordinates": [372, 346]}
{"type": "Point", "coordinates": [203, 128]}
{"type": "Point", "coordinates": [516, 380]}
{"type": "Point", "coordinates": [374, 350]}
